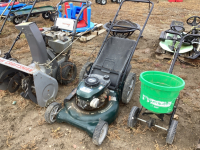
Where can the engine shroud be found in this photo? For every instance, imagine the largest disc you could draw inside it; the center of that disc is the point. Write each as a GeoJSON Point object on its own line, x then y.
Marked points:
{"type": "Point", "coordinates": [89, 92]}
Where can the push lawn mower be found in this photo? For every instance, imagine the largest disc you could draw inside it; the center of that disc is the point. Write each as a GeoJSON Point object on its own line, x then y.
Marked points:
{"type": "Point", "coordinates": [103, 84]}
{"type": "Point", "coordinates": [160, 93]}
{"type": "Point", "coordinates": [191, 45]}
{"type": "Point", "coordinates": [38, 80]}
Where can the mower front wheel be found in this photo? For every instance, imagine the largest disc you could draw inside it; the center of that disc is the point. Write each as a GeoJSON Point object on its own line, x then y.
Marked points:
{"type": "Point", "coordinates": [100, 132]}
{"type": "Point", "coordinates": [132, 119]}
{"type": "Point", "coordinates": [85, 70]}
{"type": "Point", "coordinates": [51, 112]}
{"type": "Point", "coordinates": [128, 88]}
{"type": "Point", "coordinates": [171, 132]}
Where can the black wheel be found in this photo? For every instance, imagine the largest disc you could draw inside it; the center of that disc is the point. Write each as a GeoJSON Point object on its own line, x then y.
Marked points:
{"type": "Point", "coordinates": [128, 88]}
{"type": "Point", "coordinates": [103, 2]}
{"type": "Point", "coordinates": [51, 112]}
{"type": "Point", "coordinates": [66, 72]}
{"type": "Point", "coordinates": [118, 1]}
{"type": "Point", "coordinates": [46, 15]}
{"type": "Point", "coordinates": [132, 119]}
{"type": "Point", "coordinates": [113, 1]}
{"type": "Point", "coordinates": [171, 132]}
{"type": "Point", "coordinates": [52, 17]}
{"type": "Point", "coordinates": [98, 1]}
{"type": "Point", "coordinates": [100, 132]}
{"type": "Point", "coordinates": [16, 20]}
{"type": "Point", "coordinates": [85, 70]}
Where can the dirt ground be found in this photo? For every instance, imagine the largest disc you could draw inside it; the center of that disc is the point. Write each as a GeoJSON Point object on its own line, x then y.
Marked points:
{"type": "Point", "coordinates": [23, 126]}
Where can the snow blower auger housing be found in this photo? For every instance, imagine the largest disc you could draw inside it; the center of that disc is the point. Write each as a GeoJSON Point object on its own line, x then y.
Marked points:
{"type": "Point", "coordinates": [102, 85]}
{"type": "Point", "coordinates": [38, 80]}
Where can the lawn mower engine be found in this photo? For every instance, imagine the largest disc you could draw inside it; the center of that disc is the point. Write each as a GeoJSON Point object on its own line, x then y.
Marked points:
{"type": "Point", "coordinates": [92, 93]}
{"type": "Point", "coordinates": [38, 80]}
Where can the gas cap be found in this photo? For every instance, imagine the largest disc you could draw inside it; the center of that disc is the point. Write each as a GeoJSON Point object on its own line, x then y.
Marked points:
{"type": "Point", "coordinates": [106, 77]}
{"type": "Point", "coordinates": [91, 81]}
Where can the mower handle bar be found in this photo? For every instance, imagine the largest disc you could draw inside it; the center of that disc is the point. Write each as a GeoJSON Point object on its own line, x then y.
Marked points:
{"type": "Point", "coordinates": [80, 1]}
{"type": "Point", "coordinates": [178, 49]}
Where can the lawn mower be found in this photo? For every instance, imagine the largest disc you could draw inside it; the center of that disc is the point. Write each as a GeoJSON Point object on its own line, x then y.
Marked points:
{"type": "Point", "coordinates": [38, 80]}
{"type": "Point", "coordinates": [191, 45]}
{"type": "Point", "coordinates": [102, 85]}
{"type": "Point", "coordinates": [160, 92]}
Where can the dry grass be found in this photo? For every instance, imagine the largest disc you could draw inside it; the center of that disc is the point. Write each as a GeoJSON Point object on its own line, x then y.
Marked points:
{"type": "Point", "coordinates": [29, 146]}
{"type": "Point", "coordinates": [8, 137]}
{"type": "Point", "coordinates": [56, 133]}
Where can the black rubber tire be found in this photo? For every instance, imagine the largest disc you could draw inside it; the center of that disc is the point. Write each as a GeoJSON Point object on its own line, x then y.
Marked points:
{"type": "Point", "coordinates": [103, 2]}
{"type": "Point", "coordinates": [85, 67]}
{"type": "Point", "coordinates": [64, 70]}
{"type": "Point", "coordinates": [49, 110]}
{"type": "Point", "coordinates": [113, 1]}
{"type": "Point", "coordinates": [46, 15]}
{"type": "Point", "coordinates": [16, 20]}
{"type": "Point", "coordinates": [52, 17]}
{"type": "Point", "coordinates": [132, 119]}
{"type": "Point", "coordinates": [118, 1]}
{"type": "Point", "coordinates": [171, 132]}
{"type": "Point", "coordinates": [131, 79]}
{"type": "Point", "coordinates": [98, 132]}
{"type": "Point", "coordinates": [98, 1]}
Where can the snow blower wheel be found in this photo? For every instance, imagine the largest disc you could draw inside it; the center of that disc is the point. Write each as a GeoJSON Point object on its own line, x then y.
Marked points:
{"type": "Point", "coordinates": [66, 73]}
{"type": "Point", "coordinates": [51, 112]}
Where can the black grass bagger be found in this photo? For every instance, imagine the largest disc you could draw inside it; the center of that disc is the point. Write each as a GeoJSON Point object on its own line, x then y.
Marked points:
{"type": "Point", "coordinates": [103, 84]}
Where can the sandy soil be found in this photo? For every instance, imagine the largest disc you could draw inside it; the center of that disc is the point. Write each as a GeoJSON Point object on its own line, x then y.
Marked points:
{"type": "Point", "coordinates": [23, 126]}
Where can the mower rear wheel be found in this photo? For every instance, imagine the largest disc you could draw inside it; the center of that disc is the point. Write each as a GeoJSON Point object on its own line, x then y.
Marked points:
{"type": "Point", "coordinates": [100, 132]}
{"type": "Point", "coordinates": [51, 112]}
{"type": "Point", "coordinates": [171, 132]}
{"type": "Point", "coordinates": [103, 2]}
{"type": "Point", "coordinates": [132, 119]}
{"type": "Point", "coordinates": [46, 15]}
{"type": "Point", "coordinates": [128, 88]}
{"type": "Point", "coordinates": [66, 73]}
{"type": "Point", "coordinates": [85, 70]}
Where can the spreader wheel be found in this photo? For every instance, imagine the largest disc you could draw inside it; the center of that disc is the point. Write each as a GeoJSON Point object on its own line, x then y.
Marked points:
{"type": "Point", "coordinates": [132, 119]}
{"type": "Point", "coordinates": [128, 88]}
{"type": "Point", "coordinates": [46, 15]}
{"type": "Point", "coordinates": [100, 132]}
{"type": "Point", "coordinates": [51, 112]}
{"type": "Point", "coordinates": [103, 2]}
{"type": "Point", "coordinates": [66, 73]}
{"type": "Point", "coordinates": [171, 132]}
{"type": "Point", "coordinates": [85, 70]}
